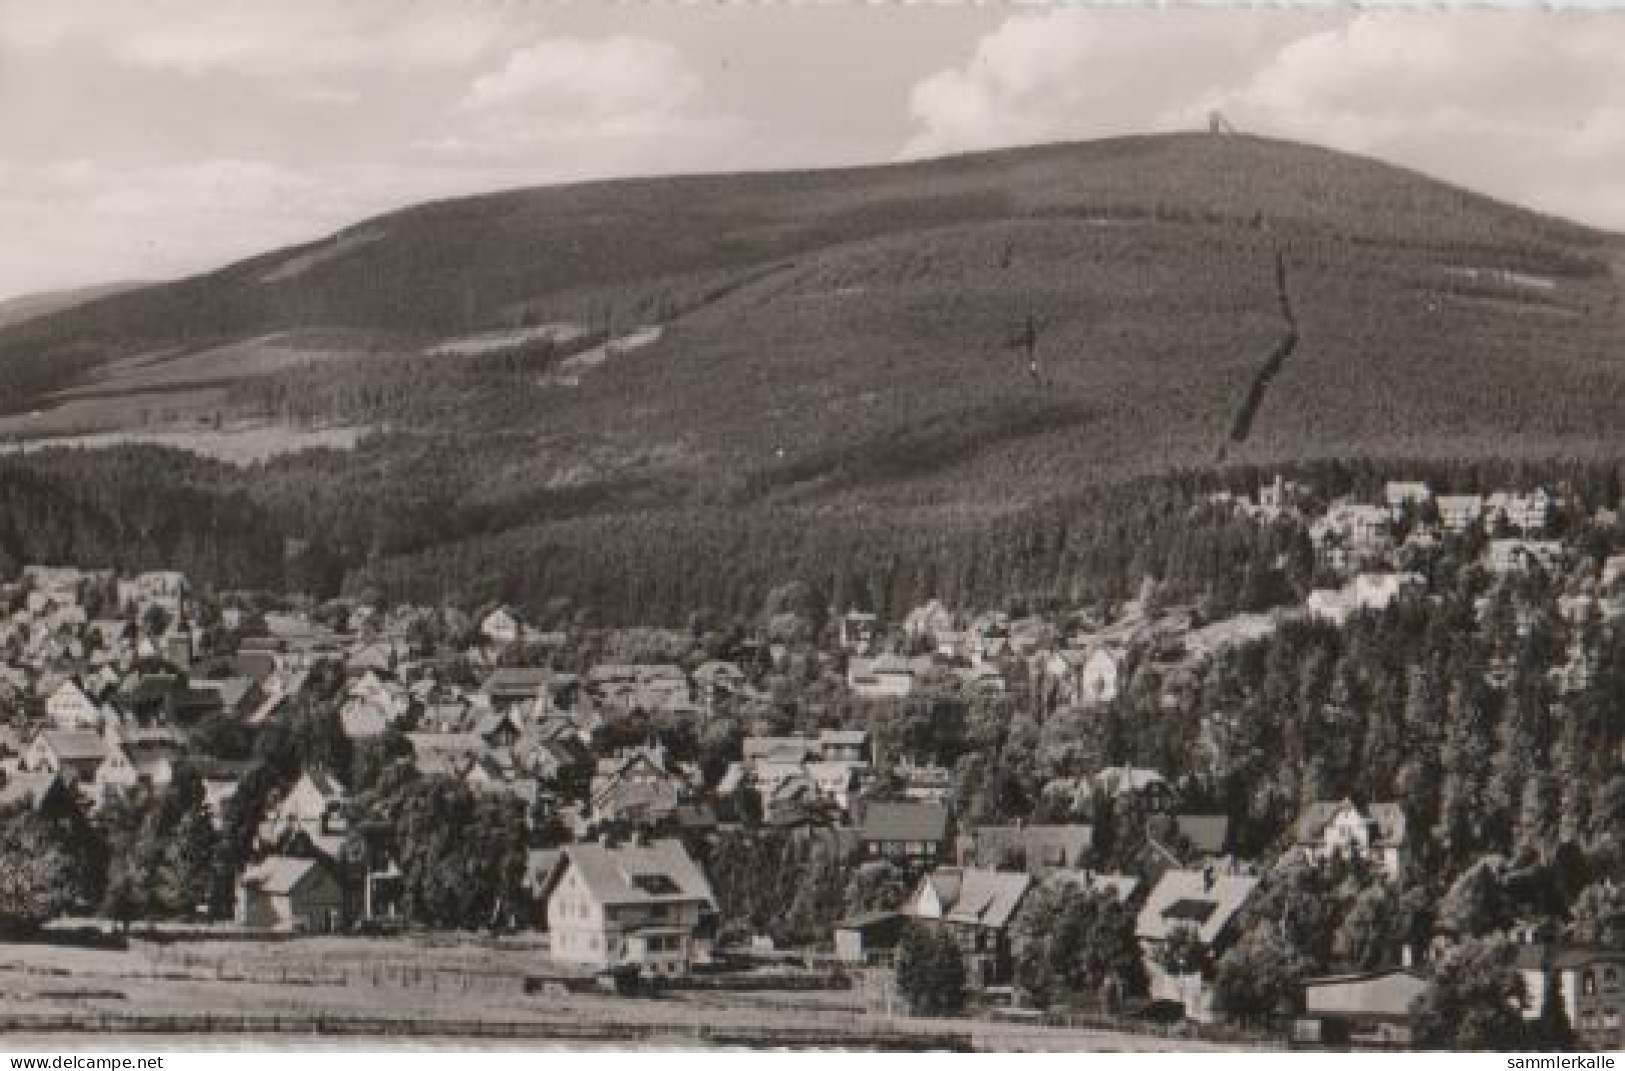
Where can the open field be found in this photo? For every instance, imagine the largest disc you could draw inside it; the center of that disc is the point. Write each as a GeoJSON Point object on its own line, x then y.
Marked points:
{"type": "Point", "coordinates": [213, 993]}
{"type": "Point", "coordinates": [234, 445]}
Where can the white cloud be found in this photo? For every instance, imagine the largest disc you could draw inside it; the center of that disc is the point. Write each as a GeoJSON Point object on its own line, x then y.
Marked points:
{"type": "Point", "coordinates": [1528, 106]}
{"type": "Point", "coordinates": [591, 106]}
{"type": "Point", "coordinates": [1087, 73]}
{"type": "Point", "coordinates": [567, 76]}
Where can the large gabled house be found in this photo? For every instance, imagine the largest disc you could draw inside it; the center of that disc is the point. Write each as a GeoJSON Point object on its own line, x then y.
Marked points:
{"type": "Point", "coordinates": [910, 834]}
{"type": "Point", "coordinates": [977, 906]}
{"type": "Point", "coordinates": [1377, 833]}
{"type": "Point", "coordinates": [647, 907]}
{"type": "Point", "coordinates": [1205, 903]}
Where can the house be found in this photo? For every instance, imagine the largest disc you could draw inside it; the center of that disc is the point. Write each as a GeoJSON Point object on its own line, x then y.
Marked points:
{"type": "Point", "coordinates": [290, 895]}
{"type": "Point", "coordinates": [1400, 493]}
{"type": "Point", "coordinates": [129, 765]}
{"type": "Point", "coordinates": [1203, 902]}
{"type": "Point", "coordinates": [843, 745]}
{"type": "Point", "coordinates": [1084, 678]}
{"type": "Point", "coordinates": [1367, 591]}
{"type": "Point", "coordinates": [931, 623]}
{"type": "Point", "coordinates": [1206, 836]}
{"type": "Point", "coordinates": [924, 782]}
{"type": "Point", "coordinates": [236, 697]}
{"type": "Point", "coordinates": [1353, 527]}
{"type": "Point", "coordinates": [501, 627]}
{"type": "Point", "coordinates": [1147, 785]}
{"type": "Point", "coordinates": [636, 787]}
{"type": "Point", "coordinates": [777, 749]}
{"type": "Point", "coordinates": [886, 677]}
{"type": "Point", "coordinates": [1036, 849]}
{"type": "Point", "coordinates": [1523, 512]}
{"type": "Point", "coordinates": [1518, 555]}
{"type": "Point", "coordinates": [1591, 983]}
{"type": "Point", "coordinates": [1340, 829]}
{"type": "Point", "coordinates": [75, 755]}
{"type": "Point", "coordinates": [718, 680]}
{"type": "Point", "coordinates": [858, 630]}
{"type": "Point", "coordinates": [976, 905]}
{"type": "Point", "coordinates": [509, 687]}
{"type": "Point", "coordinates": [70, 709]}
{"type": "Point", "coordinates": [1122, 887]}
{"type": "Point", "coordinates": [1457, 513]}
{"type": "Point", "coordinates": [1099, 678]}
{"type": "Point", "coordinates": [648, 907]}
{"type": "Point", "coordinates": [913, 834]}
{"type": "Point", "coordinates": [1373, 1008]}
{"type": "Point", "coordinates": [314, 805]}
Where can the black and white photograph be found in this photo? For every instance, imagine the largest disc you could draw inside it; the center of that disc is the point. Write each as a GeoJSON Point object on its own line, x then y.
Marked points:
{"type": "Point", "coordinates": [772, 528]}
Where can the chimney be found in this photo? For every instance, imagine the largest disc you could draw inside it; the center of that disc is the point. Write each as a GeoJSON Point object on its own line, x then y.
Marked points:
{"type": "Point", "coordinates": [1207, 878]}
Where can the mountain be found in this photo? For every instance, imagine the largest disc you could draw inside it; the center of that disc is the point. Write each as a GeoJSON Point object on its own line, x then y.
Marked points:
{"type": "Point", "coordinates": [945, 343]}
{"type": "Point", "coordinates": [31, 306]}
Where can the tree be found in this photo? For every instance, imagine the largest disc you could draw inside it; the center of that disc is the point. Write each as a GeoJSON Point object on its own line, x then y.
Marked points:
{"type": "Point", "coordinates": [1474, 1001]}
{"type": "Point", "coordinates": [1477, 903]}
{"type": "Point", "coordinates": [931, 971]}
{"type": "Point", "coordinates": [1259, 977]}
{"type": "Point", "coordinates": [1183, 951]}
{"type": "Point", "coordinates": [876, 885]}
{"type": "Point", "coordinates": [1597, 916]}
{"type": "Point", "coordinates": [1070, 941]}
{"type": "Point", "coordinates": [1369, 935]}
{"type": "Point", "coordinates": [36, 874]}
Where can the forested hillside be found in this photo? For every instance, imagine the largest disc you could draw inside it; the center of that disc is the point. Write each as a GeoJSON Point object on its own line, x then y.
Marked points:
{"type": "Point", "coordinates": [917, 369]}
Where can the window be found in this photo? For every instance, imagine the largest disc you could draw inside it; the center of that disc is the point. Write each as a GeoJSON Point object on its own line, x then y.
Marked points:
{"type": "Point", "coordinates": [1588, 984]}
{"type": "Point", "coordinates": [1610, 979]}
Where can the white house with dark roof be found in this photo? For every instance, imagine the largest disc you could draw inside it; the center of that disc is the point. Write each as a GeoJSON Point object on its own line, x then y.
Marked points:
{"type": "Point", "coordinates": [1206, 903]}
{"type": "Point", "coordinates": [643, 906]}
{"type": "Point", "coordinates": [1377, 833]}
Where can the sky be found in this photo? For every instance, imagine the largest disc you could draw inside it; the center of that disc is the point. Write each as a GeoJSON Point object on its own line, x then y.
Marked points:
{"type": "Point", "coordinates": [156, 139]}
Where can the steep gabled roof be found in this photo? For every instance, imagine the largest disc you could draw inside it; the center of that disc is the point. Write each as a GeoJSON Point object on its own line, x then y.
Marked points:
{"type": "Point", "coordinates": [977, 896]}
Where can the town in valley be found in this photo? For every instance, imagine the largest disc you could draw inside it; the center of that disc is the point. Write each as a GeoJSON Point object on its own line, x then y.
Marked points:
{"type": "Point", "coordinates": [1374, 796]}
